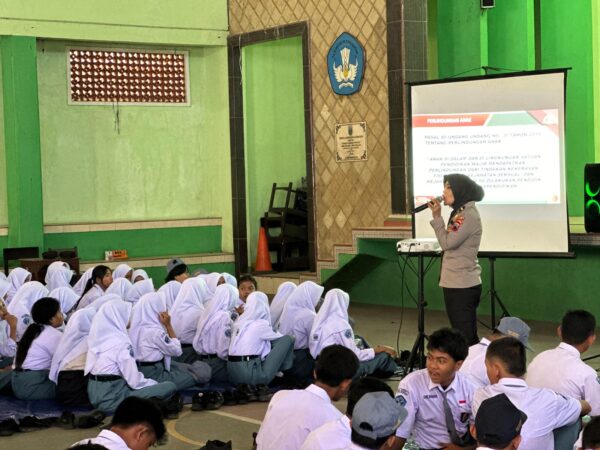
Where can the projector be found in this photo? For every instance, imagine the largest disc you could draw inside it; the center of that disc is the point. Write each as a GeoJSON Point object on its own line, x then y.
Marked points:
{"type": "Point", "coordinates": [418, 245]}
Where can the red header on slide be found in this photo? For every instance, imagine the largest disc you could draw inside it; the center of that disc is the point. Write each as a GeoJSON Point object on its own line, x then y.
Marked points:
{"type": "Point", "coordinates": [450, 120]}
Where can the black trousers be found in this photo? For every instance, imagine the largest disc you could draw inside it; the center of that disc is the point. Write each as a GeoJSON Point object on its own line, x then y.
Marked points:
{"type": "Point", "coordinates": [461, 307]}
{"type": "Point", "coordinates": [71, 389]}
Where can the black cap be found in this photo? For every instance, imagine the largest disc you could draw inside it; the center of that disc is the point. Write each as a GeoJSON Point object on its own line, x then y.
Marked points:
{"type": "Point", "coordinates": [498, 421]}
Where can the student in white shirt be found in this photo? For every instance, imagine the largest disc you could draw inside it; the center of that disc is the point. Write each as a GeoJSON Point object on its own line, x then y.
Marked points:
{"type": "Point", "coordinates": [434, 394]}
{"type": "Point", "coordinates": [99, 281]}
{"type": "Point", "coordinates": [297, 320]}
{"type": "Point", "coordinates": [137, 424]}
{"type": "Point", "coordinates": [155, 343]}
{"type": "Point", "coordinates": [8, 341]}
{"type": "Point", "coordinates": [123, 271]}
{"type": "Point", "coordinates": [562, 370]}
{"type": "Point", "coordinates": [170, 290]}
{"type": "Point", "coordinates": [256, 352]}
{"type": "Point", "coordinates": [474, 365]}
{"type": "Point", "coordinates": [293, 414]}
{"type": "Point", "coordinates": [110, 362]}
{"type": "Point", "coordinates": [331, 326]}
{"type": "Point", "coordinates": [58, 274]}
{"type": "Point", "coordinates": [498, 424]}
{"type": "Point", "coordinates": [177, 270]}
{"type": "Point", "coordinates": [17, 278]}
{"type": "Point", "coordinates": [246, 286]}
{"type": "Point", "coordinates": [337, 433]}
{"type": "Point", "coordinates": [35, 351]}
{"type": "Point", "coordinates": [546, 410]}
{"type": "Point", "coordinates": [213, 333]}
{"type": "Point", "coordinates": [284, 290]}
{"type": "Point", "coordinates": [22, 303]}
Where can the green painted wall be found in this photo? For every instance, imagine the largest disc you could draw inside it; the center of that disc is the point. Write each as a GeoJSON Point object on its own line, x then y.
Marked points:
{"type": "Point", "coordinates": [273, 89]}
{"type": "Point", "coordinates": [596, 69]}
{"type": "Point", "coordinates": [3, 199]}
{"type": "Point", "coordinates": [107, 164]}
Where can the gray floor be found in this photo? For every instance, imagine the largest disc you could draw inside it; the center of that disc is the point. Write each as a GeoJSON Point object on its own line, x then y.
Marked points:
{"type": "Point", "coordinates": [379, 324]}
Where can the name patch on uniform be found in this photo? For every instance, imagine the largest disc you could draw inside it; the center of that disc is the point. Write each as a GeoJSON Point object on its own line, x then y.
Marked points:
{"type": "Point", "coordinates": [426, 397]}
{"type": "Point", "coordinates": [401, 400]}
{"type": "Point", "coordinates": [348, 334]}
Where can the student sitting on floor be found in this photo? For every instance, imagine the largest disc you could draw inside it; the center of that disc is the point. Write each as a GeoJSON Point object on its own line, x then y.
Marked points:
{"type": "Point", "coordinates": [498, 424]}
{"type": "Point", "coordinates": [212, 280]}
{"type": "Point", "coordinates": [337, 433]}
{"type": "Point", "coordinates": [213, 334]}
{"type": "Point", "coordinates": [155, 343]}
{"type": "Point", "coordinates": [99, 281]}
{"type": "Point", "coordinates": [246, 286]}
{"type": "Point", "coordinates": [68, 362]}
{"type": "Point", "coordinates": [293, 414]}
{"type": "Point", "coordinates": [22, 303]}
{"type": "Point", "coordinates": [66, 297]}
{"type": "Point", "coordinates": [121, 287]}
{"type": "Point", "coordinates": [170, 291]}
{"type": "Point", "coordinates": [123, 271]}
{"type": "Point", "coordinates": [185, 313]}
{"type": "Point", "coordinates": [58, 274]}
{"type": "Point", "coordinates": [110, 362]}
{"type": "Point", "coordinates": [8, 341]}
{"type": "Point", "coordinates": [35, 351]}
{"type": "Point", "coordinates": [17, 278]}
{"type": "Point", "coordinates": [284, 290]}
{"type": "Point", "coordinates": [138, 289]}
{"type": "Point", "coordinates": [331, 326]}
{"type": "Point", "coordinates": [137, 424]}
{"type": "Point", "coordinates": [257, 353]}
{"type": "Point", "coordinates": [80, 285]}
{"type": "Point", "coordinates": [177, 271]}
{"type": "Point", "coordinates": [297, 320]}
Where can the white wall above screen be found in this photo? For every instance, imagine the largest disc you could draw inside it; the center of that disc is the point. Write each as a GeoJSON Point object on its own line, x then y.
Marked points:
{"type": "Point", "coordinates": [507, 133]}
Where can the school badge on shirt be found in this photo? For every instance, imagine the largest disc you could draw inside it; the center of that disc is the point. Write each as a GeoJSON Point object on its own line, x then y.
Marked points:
{"type": "Point", "coordinates": [130, 348]}
{"type": "Point", "coordinates": [346, 64]}
{"type": "Point", "coordinates": [26, 319]}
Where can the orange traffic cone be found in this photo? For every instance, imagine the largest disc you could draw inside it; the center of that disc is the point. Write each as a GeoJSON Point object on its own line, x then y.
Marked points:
{"type": "Point", "coordinates": [263, 259]}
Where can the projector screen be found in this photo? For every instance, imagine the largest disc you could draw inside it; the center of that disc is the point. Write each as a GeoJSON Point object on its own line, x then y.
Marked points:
{"type": "Point", "coordinates": [507, 134]}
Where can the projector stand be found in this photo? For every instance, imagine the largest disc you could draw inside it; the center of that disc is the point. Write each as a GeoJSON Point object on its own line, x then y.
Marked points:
{"type": "Point", "coordinates": [494, 297]}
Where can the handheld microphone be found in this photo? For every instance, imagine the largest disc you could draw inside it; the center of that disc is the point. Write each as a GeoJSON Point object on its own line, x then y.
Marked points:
{"type": "Point", "coordinates": [425, 205]}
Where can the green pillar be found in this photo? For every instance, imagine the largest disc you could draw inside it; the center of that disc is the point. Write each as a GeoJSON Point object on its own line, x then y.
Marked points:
{"type": "Point", "coordinates": [22, 141]}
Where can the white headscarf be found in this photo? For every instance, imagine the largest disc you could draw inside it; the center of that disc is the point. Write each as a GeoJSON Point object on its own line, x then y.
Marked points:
{"type": "Point", "coordinates": [305, 297]}
{"type": "Point", "coordinates": [108, 332]}
{"type": "Point", "coordinates": [224, 300]}
{"type": "Point", "coordinates": [120, 286]}
{"type": "Point", "coordinates": [138, 289]}
{"type": "Point", "coordinates": [80, 285]}
{"type": "Point", "coordinates": [230, 279]}
{"type": "Point", "coordinates": [66, 297]}
{"type": "Point", "coordinates": [331, 318]}
{"type": "Point", "coordinates": [120, 271]}
{"type": "Point", "coordinates": [145, 317]}
{"type": "Point", "coordinates": [103, 299]}
{"type": "Point", "coordinates": [139, 273]}
{"type": "Point", "coordinates": [74, 341]}
{"type": "Point", "coordinates": [256, 309]}
{"type": "Point", "coordinates": [212, 280]}
{"type": "Point", "coordinates": [59, 274]}
{"type": "Point", "coordinates": [17, 277]}
{"type": "Point", "coordinates": [20, 307]}
{"type": "Point", "coordinates": [4, 288]}
{"type": "Point", "coordinates": [2, 276]}
{"type": "Point", "coordinates": [170, 290]}
{"type": "Point", "coordinates": [187, 308]}
{"type": "Point", "coordinates": [283, 292]}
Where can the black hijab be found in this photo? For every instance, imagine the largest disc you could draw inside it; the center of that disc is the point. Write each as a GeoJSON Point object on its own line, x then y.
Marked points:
{"type": "Point", "coordinates": [464, 189]}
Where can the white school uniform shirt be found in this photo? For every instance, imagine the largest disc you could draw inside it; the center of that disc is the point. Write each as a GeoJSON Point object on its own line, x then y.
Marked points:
{"type": "Point", "coordinates": [8, 347]}
{"type": "Point", "coordinates": [252, 333]}
{"type": "Point", "coordinates": [331, 327]}
{"type": "Point", "coordinates": [545, 409]}
{"type": "Point", "coordinates": [91, 296]}
{"type": "Point", "coordinates": [170, 291]}
{"type": "Point", "coordinates": [59, 274]}
{"type": "Point", "coordinates": [20, 307]}
{"type": "Point", "coordinates": [292, 415]}
{"type": "Point", "coordinates": [110, 351]}
{"type": "Point", "coordinates": [283, 292]}
{"type": "Point", "coordinates": [329, 435]}
{"type": "Point", "coordinates": [423, 400]}
{"type": "Point", "coordinates": [73, 342]}
{"type": "Point", "coordinates": [474, 364]}
{"type": "Point", "coordinates": [106, 438]}
{"type": "Point", "coordinates": [187, 308]}
{"type": "Point", "coordinates": [562, 370]}
{"type": "Point", "coordinates": [150, 340]}
{"type": "Point", "coordinates": [138, 289]}
{"type": "Point", "coordinates": [213, 333]}
{"type": "Point", "coordinates": [17, 278]}
{"type": "Point", "coordinates": [66, 297]}
{"type": "Point", "coordinates": [299, 313]}
{"type": "Point", "coordinates": [39, 356]}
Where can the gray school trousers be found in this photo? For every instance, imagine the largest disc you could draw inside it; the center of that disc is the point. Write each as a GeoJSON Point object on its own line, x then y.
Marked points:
{"type": "Point", "coordinates": [382, 362]}
{"type": "Point", "coordinates": [259, 371]}
{"type": "Point", "coordinates": [184, 376]}
{"type": "Point", "coordinates": [32, 385]}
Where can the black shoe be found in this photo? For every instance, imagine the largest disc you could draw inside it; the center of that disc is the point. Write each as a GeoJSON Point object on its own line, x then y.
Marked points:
{"type": "Point", "coordinates": [216, 445]}
{"type": "Point", "coordinates": [248, 391]}
{"type": "Point", "coordinates": [66, 419]}
{"type": "Point", "coordinates": [197, 401]}
{"type": "Point", "coordinates": [229, 398]}
{"type": "Point", "coordinates": [8, 427]}
{"type": "Point", "coordinates": [241, 397]}
{"type": "Point", "coordinates": [173, 406]}
{"type": "Point", "coordinates": [89, 420]}
{"type": "Point", "coordinates": [263, 394]}
{"type": "Point", "coordinates": [31, 423]}
{"type": "Point", "coordinates": [212, 400]}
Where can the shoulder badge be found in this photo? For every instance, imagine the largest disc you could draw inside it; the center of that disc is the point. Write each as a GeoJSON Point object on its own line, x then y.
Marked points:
{"type": "Point", "coordinates": [401, 400]}
{"type": "Point", "coordinates": [167, 339]}
{"type": "Point", "coordinates": [348, 334]}
{"type": "Point", "coordinates": [315, 337]}
{"type": "Point", "coordinates": [130, 349]}
{"type": "Point", "coordinates": [26, 319]}
{"type": "Point", "coordinates": [228, 332]}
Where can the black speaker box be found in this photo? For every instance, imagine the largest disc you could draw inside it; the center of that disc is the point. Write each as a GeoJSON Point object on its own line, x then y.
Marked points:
{"type": "Point", "coordinates": [488, 3]}
{"type": "Point", "coordinates": [591, 198]}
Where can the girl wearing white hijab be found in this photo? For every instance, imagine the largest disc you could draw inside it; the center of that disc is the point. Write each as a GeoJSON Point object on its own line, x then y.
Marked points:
{"type": "Point", "coordinates": [213, 280]}
{"type": "Point", "coordinates": [256, 352]}
{"type": "Point", "coordinates": [22, 303]}
{"type": "Point", "coordinates": [229, 279]}
{"type": "Point", "coordinates": [138, 289]}
{"type": "Point", "coordinates": [95, 286]}
{"type": "Point", "coordinates": [80, 285]}
{"type": "Point", "coordinates": [123, 271]}
{"type": "Point", "coordinates": [66, 297]}
{"type": "Point", "coordinates": [155, 342]}
{"type": "Point", "coordinates": [59, 274]}
{"type": "Point", "coordinates": [283, 292]}
{"type": "Point", "coordinates": [139, 275]}
{"type": "Point", "coordinates": [68, 361]}
{"type": "Point", "coordinates": [8, 337]}
{"type": "Point", "coordinates": [185, 313]}
{"type": "Point", "coordinates": [110, 362]}
{"type": "Point", "coordinates": [17, 278]}
{"type": "Point", "coordinates": [170, 290]}
{"type": "Point", "coordinates": [297, 320]}
{"type": "Point", "coordinates": [121, 287]}
{"type": "Point", "coordinates": [213, 334]}
{"type": "Point", "coordinates": [331, 327]}
{"type": "Point", "coordinates": [103, 300]}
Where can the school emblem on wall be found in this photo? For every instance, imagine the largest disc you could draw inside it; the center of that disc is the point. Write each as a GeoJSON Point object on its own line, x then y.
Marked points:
{"type": "Point", "coordinates": [346, 64]}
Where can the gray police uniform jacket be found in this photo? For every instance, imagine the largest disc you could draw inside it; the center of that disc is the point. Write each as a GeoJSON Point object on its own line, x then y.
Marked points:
{"type": "Point", "coordinates": [460, 243]}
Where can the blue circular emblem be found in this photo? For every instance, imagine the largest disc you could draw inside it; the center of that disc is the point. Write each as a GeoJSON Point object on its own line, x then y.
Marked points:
{"type": "Point", "coordinates": [346, 64]}
{"type": "Point", "coordinates": [401, 400]}
{"type": "Point", "coordinates": [348, 334]}
{"type": "Point", "coordinates": [26, 319]}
